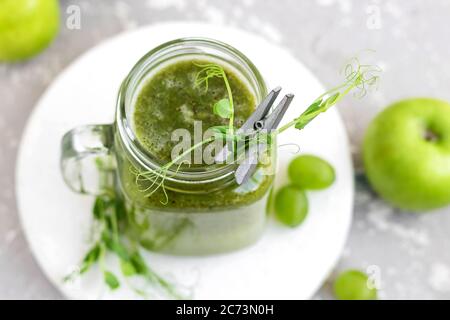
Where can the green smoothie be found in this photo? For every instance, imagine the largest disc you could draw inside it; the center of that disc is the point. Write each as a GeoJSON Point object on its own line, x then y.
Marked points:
{"type": "Point", "coordinates": [212, 218]}
{"type": "Point", "coordinates": [169, 100]}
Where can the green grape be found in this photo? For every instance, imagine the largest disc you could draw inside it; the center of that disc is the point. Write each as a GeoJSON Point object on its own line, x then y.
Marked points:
{"type": "Point", "coordinates": [291, 205]}
{"type": "Point", "coordinates": [353, 285]}
{"type": "Point", "coordinates": [311, 172]}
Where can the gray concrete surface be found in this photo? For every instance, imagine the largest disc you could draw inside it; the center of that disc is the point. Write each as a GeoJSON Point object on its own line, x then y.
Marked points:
{"type": "Point", "coordinates": [409, 253]}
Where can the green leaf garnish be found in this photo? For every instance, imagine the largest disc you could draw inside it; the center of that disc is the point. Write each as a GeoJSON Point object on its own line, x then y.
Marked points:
{"type": "Point", "coordinates": [222, 133]}
{"type": "Point", "coordinates": [111, 280]}
{"type": "Point", "coordinates": [90, 258]}
{"type": "Point", "coordinates": [358, 79]}
{"type": "Point", "coordinates": [223, 108]}
{"type": "Point", "coordinates": [127, 268]}
{"type": "Point", "coordinates": [331, 100]}
{"type": "Point", "coordinates": [100, 206]}
{"type": "Point", "coordinates": [109, 210]}
{"type": "Point", "coordinates": [119, 249]}
{"type": "Point", "coordinates": [219, 129]}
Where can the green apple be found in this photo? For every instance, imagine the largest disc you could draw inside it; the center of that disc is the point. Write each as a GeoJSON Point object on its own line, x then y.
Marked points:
{"type": "Point", "coordinates": [407, 154]}
{"type": "Point", "coordinates": [26, 27]}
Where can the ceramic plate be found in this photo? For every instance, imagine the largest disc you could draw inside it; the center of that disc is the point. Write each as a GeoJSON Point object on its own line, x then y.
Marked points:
{"type": "Point", "coordinates": [284, 264]}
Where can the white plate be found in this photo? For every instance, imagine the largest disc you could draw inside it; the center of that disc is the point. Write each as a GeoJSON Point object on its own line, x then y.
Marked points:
{"type": "Point", "coordinates": [284, 264]}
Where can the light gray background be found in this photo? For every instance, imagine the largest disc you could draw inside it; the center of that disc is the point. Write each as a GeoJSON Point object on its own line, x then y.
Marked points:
{"type": "Point", "coordinates": [410, 252]}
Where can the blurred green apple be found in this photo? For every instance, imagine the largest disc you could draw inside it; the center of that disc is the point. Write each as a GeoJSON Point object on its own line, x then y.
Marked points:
{"type": "Point", "coordinates": [26, 27]}
{"type": "Point", "coordinates": [407, 154]}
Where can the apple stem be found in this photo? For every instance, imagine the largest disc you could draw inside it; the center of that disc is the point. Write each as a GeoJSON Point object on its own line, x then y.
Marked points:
{"type": "Point", "coordinates": [430, 135]}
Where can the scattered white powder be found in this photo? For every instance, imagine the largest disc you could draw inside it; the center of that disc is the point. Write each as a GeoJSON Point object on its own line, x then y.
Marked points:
{"type": "Point", "coordinates": [214, 15]}
{"type": "Point", "coordinates": [393, 9]}
{"type": "Point", "coordinates": [85, 5]}
{"type": "Point", "coordinates": [398, 32]}
{"type": "Point", "coordinates": [401, 291]}
{"type": "Point", "coordinates": [383, 65]}
{"type": "Point", "coordinates": [346, 22]}
{"type": "Point", "coordinates": [42, 72]}
{"type": "Point", "coordinates": [248, 3]}
{"type": "Point", "coordinates": [380, 219]}
{"type": "Point", "coordinates": [346, 252]}
{"type": "Point", "coordinates": [363, 198]}
{"type": "Point", "coordinates": [439, 279]}
{"type": "Point", "coordinates": [122, 12]}
{"type": "Point", "coordinates": [325, 3]}
{"type": "Point", "coordinates": [360, 225]}
{"type": "Point", "coordinates": [166, 4]}
{"type": "Point", "coordinates": [379, 98]}
{"type": "Point", "coordinates": [270, 32]}
{"type": "Point", "coordinates": [237, 12]}
{"type": "Point", "coordinates": [381, 295]}
{"type": "Point", "coordinates": [264, 28]}
{"type": "Point", "coordinates": [345, 6]}
{"type": "Point", "coordinates": [201, 3]}
{"type": "Point", "coordinates": [391, 271]}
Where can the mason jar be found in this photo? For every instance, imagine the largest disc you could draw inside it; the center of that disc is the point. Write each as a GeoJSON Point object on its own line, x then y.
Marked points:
{"type": "Point", "coordinates": [199, 210]}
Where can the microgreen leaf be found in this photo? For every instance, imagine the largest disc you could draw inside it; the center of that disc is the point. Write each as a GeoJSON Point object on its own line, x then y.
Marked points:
{"type": "Point", "coordinates": [331, 100]}
{"type": "Point", "coordinates": [127, 268]}
{"type": "Point", "coordinates": [118, 249]}
{"type": "Point", "coordinates": [121, 211]}
{"type": "Point", "coordinates": [143, 269]}
{"type": "Point", "coordinates": [314, 106]}
{"type": "Point", "coordinates": [111, 280]}
{"type": "Point", "coordinates": [99, 208]}
{"type": "Point", "coordinates": [220, 132]}
{"type": "Point", "coordinates": [220, 129]}
{"type": "Point", "coordinates": [223, 108]}
{"type": "Point", "coordinates": [90, 258]}
{"type": "Point", "coordinates": [102, 206]}
{"type": "Point", "coordinates": [139, 263]}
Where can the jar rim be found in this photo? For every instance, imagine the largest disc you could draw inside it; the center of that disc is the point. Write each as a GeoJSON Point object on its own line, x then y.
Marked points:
{"type": "Point", "coordinates": [131, 145]}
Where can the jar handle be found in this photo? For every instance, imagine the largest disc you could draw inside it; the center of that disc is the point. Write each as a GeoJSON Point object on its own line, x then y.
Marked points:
{"type": "Point", "coordinates": [87, 161]}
